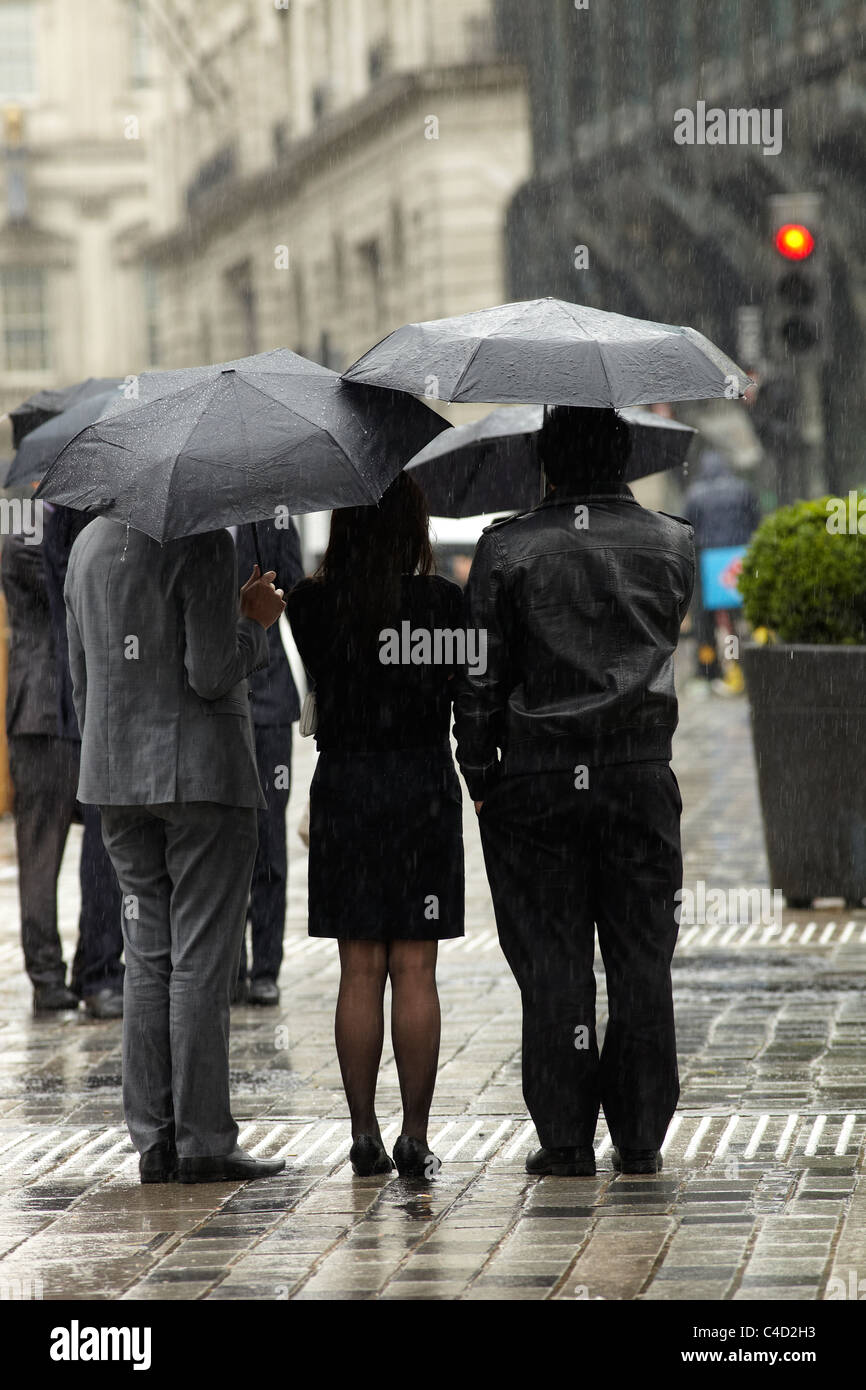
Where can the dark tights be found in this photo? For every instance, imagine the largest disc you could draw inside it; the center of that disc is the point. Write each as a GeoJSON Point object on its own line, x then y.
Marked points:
{"type": "Point", "coordinates": [415, 1026]}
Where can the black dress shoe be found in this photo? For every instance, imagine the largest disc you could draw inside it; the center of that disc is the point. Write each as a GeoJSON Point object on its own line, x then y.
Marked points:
{"type": "Point", "coordinates": [636, 1161]}
{"type": "Point", "coordinates": [158, 1164]}
{"type": "Point", "coordinates": [264, 991]}
{"type": "Point", "coordinates": [367, 1156]}
{"type": "Point", "coordinates": [415, 1159]}
{"type": "Point", "coordinates": [238, 1166]}
{"type": "Point", "coordinates": [51, 998]}
{"type": "Point", "coordinates": [562, 1163]}
{"type": "Point", "coordinates": [106, 1003]}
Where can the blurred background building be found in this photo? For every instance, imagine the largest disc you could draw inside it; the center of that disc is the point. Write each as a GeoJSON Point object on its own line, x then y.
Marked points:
{"type": "Point", "coordinates": [77, 97]}
{"type": "Point", "coordinates": [681, 233]}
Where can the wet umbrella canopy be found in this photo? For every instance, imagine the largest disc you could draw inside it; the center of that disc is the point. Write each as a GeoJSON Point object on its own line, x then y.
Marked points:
{"type": "Point", "coordinates": [39, 447]}
{"type": "Point", "coordinates": [45, 405]}
{"type": "Point", "coordinates": [492, 464]}
{"type": "Point", "coordinates": [548, 351]}
{"type": "Point", "coordinates": [237, 444]}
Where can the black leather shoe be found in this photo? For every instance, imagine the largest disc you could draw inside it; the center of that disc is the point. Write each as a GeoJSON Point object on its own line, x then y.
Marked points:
{"type": "Point", "coordinates": [234, 1167]}
{"type": "Point", "coordinates": [51, 998]}
{"type": "Point", "coordinates": [562, 1163]}
{"type": "Point", "coordinates": [636, 1161]}
{"type": "Point", "coordinates": [106, 1003]}
{"type": "Point", "coordinates": [264, 991]}
{"type": "Point", "coordinates": [414, 1159]}
{"type": "Point", "coordinates": [158, 1164]}
{"type": "Point", "coordinates": [367, 1156]}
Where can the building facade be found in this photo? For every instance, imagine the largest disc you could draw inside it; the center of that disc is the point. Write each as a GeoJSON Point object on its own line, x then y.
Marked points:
{"type": "Point", "coordinates": [329, 169]}
{"type": "Point", "coordinates": [78, 89]}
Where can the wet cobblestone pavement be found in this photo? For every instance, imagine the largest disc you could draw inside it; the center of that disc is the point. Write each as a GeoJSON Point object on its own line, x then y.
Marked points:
{"type": "Point", "coordinates": [763, 1195]}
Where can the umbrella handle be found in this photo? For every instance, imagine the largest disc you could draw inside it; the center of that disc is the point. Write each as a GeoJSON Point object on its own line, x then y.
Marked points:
{"type": "Point", "coordinates": [257, 547]}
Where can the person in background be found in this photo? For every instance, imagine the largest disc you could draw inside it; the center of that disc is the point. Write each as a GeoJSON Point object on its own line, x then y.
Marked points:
{"type": "Point", "coordinates": [724, 512]}
{"type": "Point", "coordinates": [275, 707]}
{"type": "Point", "coordinates": [97, 971]}
{"type": "Point", "coordinates": [386, 812]}
{"type": "Point", "coordinates": [44, 771]}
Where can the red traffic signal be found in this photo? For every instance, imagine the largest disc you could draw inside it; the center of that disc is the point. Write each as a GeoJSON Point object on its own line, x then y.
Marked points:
{"type": "Point", "coordinates": [794, 241]}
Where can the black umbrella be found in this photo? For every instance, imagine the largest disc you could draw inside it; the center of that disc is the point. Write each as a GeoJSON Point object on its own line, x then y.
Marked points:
{"type": "Point", "coordinates": [237, 445]}
{"type": "Point", "coordinates": [544, 350]}
{"type": "Point", "coordinates": [44, 405]}
{"type": "Point", "coordinates": [40, 447]}
{"type": "Point", "coordinates": [492, 464]}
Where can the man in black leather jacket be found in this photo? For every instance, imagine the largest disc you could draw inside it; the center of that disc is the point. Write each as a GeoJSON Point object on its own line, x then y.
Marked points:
{"type": "Point", "coordinates": [564, 742]}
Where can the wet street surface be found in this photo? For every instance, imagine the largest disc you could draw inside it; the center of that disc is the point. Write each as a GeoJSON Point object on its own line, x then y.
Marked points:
{"type": "Point", "coordinates": [763, 1194]}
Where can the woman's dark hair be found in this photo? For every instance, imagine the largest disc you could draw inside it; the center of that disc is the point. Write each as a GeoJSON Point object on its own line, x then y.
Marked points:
{"type": "Point", "coordinates": [582, 445]}
{"type": "Point", "coordinates": [369, 551]}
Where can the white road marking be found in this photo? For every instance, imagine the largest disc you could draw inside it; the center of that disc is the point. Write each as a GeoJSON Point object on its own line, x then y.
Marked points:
{"type": "Point", "coordinates": [757, 1134]}
{"type": "Point", "coordinates": [109, 1154]}
{"type": "Point", "coordinates": [786, 1135]}
{"type": "Point", "coordinates": [722, 1146]}
{"type": "Point", "coordinates": [672, 1129]}
{"type": "Point", "coordinates": [440, 1134]}
{"type": "Point", "coordinates": [709, 934]}
{"type": "Point", "coordinates": [262, 1143]}
{"type": "Point", "coordinates": [826, 933]}
{"type": "Point", "coordinates": [808, 932]}
{"type": "Point", "coordinates": [694, 1142]}
{"type": "Point", "coordinates": [747, 935]}
{"type": "Point", "coordinates": [47, 1159]}
{"type": "Point", "coordinates": [478, 941]}
{"type": "Point", "coordinates": [455, 1149]}
{"type": "Point", "coordinates": [844, 1135]}
{"type": "Point", "coordinates": [290, 1145]}
{"type": "Point", "coordinates": [690, 936]}
{"type": "Point", "coordinates": [302, 1158]}
{"type": "Point", "coordinates": [812, 1141]}
{"type": "Point", "coordinates": [788, 933]}
{"type": "Point", "coordinates": [523, 1135]}
{"type": "Point", "coordinates": [493, 1140]}
{"type": "Point", "coordinates": [603, 1146]}
{"type": "Point", "coordinates": [729, 935]}
{"type": "Point", "coordinates": [37, 1143]}
{"type": "Point", "coordinates": [847, 932]}
{"type": "Point", "coordinates": [76, 1158]}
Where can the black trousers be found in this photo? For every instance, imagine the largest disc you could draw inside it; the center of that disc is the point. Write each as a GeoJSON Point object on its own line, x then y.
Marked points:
{"type": "Point", "coordinates": [559, 860]}
{"type": "Point", "coordinates": [267, 908]}
{"type": "Point", "coordinates": [45, 777]}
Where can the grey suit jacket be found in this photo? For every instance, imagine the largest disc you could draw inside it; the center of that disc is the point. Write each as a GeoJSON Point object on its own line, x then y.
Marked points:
{"type": "Point", "coordinates": [159, 658]}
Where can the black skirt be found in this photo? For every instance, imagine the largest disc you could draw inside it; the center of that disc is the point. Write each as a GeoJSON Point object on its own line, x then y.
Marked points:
{"type": "Point", "coordinates": [386, 846]}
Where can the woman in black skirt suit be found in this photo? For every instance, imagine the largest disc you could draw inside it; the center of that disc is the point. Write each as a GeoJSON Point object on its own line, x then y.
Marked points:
{"type": "Point", "coordinates": [386, 811]}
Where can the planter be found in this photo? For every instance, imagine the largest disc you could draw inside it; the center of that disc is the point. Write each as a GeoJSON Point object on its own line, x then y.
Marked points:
{"type": "Point", "coordinates": [809, 730]}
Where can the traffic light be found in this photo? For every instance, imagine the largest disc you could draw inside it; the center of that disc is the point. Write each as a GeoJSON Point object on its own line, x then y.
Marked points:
{"type": "Point", "coordinates": [799, 293]}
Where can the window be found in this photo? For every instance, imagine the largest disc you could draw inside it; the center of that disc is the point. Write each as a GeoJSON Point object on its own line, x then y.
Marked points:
{"type": "Point", "coordinates": [17, 50]}
{"type": "Point", "coordinates": [140, 50]}
{"type": "Point", "coordinates": [23, 320]}
{"type": "Point", "coordinates": [243, 321]}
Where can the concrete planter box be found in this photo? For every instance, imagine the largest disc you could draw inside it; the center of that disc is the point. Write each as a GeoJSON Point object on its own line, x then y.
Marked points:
{"type": "Point", "coordinates": [809, 730]}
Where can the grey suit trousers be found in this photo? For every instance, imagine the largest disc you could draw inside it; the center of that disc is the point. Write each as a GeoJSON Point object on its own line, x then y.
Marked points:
{"type": "Point", "coordinates": [184, 872]}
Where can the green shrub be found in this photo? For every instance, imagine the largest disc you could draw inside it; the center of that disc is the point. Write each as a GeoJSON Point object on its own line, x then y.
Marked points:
{"type": "Point", "coordinates": [803, 581]}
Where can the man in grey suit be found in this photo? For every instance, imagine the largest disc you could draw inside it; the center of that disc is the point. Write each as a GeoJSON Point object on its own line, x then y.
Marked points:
{"type": "Point", "coordinates": [159, 653]}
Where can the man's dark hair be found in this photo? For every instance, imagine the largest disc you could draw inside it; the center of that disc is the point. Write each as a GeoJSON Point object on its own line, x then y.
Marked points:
{"type": "Point", "coordinates": [583, 445]}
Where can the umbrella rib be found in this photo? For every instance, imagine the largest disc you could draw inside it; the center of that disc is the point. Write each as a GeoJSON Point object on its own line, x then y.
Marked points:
{"type": "Point", "coordinates": [192, 430]}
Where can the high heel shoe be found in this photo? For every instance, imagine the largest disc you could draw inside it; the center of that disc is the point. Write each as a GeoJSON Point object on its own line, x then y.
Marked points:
{"type": "Point", "coordinates": [414, 1158]}
{"type": "Point", "coordinates": [367, 1156]}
